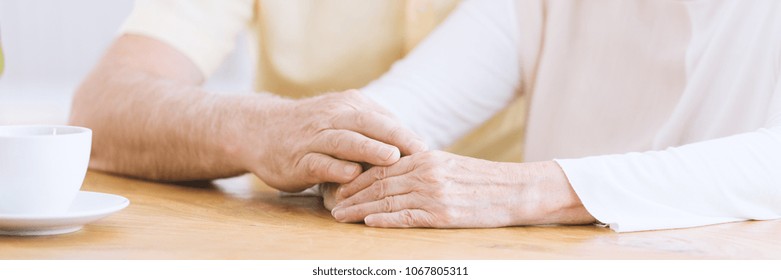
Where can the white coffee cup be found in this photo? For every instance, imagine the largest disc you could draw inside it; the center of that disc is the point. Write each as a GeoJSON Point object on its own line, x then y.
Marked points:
{"type": "Point", "coordinates": [42, 167]}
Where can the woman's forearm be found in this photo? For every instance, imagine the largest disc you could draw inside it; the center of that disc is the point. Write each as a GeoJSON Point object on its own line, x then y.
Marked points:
{"type": "Point", "coordinates": [459, 76]}
{"type": "Point", "coordinates": [721, 180]}
{"type": "Point", "coordinates": [438, 189]}
{"type": "Point", "coordinates": [556, 201]}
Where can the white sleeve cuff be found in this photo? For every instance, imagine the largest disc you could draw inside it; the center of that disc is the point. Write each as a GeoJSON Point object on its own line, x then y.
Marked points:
{"type": "Point", "coordinates": [598, 184]}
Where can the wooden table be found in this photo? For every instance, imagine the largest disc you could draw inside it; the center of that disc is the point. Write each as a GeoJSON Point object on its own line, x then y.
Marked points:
{"type": "Point", "coordinates": [239, 218]}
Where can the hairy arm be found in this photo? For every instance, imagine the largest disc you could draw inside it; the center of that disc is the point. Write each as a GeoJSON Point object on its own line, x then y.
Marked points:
{"type": "Point", "coordinates": [152, 120]}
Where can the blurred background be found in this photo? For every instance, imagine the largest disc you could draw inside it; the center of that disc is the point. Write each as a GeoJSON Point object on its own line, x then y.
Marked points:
{"type": "Point", "coordinates": [51, 45]}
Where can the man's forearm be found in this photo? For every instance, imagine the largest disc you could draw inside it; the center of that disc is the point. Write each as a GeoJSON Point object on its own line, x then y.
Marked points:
{"type": "Point", "coordinates": [156, 128]}
{"type": "Point", "coordinates": [151, 119]}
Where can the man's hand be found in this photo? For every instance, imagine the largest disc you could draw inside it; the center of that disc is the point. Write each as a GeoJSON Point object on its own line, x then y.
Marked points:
{"type": "Point", "coordinates": [443, 190]}
{"type": "Point", "coordinates": [298, 143]}
{"type": "Point", "coordinates": [151, 119]}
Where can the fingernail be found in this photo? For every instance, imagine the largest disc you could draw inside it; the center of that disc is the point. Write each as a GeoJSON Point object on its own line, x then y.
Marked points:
{"type": "Point", "coordinates": [349, 170]}
{"type": "Point", "coordinates": [369, 220]}
{"type": "Point", "coordinates": [338, 214]}
{"type": "Point", "coordinates": [386, 153]}
{"type": "Point", "coordinates": [419, 146]}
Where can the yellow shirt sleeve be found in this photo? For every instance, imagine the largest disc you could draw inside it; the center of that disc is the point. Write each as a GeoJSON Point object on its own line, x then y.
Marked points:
{"type": "Point", "coordinates": [203, 30]}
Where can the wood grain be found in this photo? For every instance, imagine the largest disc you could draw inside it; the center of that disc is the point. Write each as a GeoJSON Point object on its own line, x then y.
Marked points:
{"type": "Point", "coordinates": [239, 218]}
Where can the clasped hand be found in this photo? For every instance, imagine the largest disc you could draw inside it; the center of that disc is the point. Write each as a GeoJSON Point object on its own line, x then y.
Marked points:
{"type": "Point", "coordinates": [294, 144]}
{"type": "Point", "coordinates": [444, 190]}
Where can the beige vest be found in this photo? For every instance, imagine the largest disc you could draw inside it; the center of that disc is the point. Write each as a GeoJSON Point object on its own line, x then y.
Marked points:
{"type": "Point", "coordinates": [588, 62]}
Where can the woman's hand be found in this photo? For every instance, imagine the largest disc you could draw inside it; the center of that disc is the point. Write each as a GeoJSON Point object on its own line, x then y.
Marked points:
{"type": "Point", "coordinates": [443, 190]}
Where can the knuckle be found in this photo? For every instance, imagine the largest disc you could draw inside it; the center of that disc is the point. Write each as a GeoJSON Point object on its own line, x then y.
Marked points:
{"type": "Point", "coordinates": [361, 120]}
{"type": "Point", "coordinates": [312, 127]}
{"type": "Point", "coordinates": [440, 216]}
{"type": "Point", "coordinates": [348, 99]}
{"type": "Point", "coordinates": [322, 169]}
{"type": "Point", "coordinates": [437, 192]}
{"type": "Point", "coordinates": [395, 133]}
{"type": "Point", "coordinates": [339, 106]}
{"type": "Point", "coordinates": [352, 95]}
{"type": "Point", "coordinates": [335, 143]}
{"type": "Point", "coordinates": [330, 121]}
{"type": "Point", "coordinates": [366, 147]}
{"type": "Point", "coordinates": [433, 175]}
{"type": "Point", "coordinates": [381, 188]}
{"type": "Point", "coordinates": [381, 173]}
{"type": "Point", "coordinates": [426, 157]}
{"type": "Point", "coordinates": [387, 204]}
{"type": "Point", "coordinates": [360, 212]}
{"type": "Point", "coordinates": [311, 166]}
{"type": "Point", "coordinates": [331, 105]}
{"type": "Point", "coordinates": [407, 218]}
{"type": "Point", "coordinates": [437, 155]}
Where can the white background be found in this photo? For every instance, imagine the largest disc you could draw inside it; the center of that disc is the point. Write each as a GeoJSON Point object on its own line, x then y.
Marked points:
{"type": "Point", "coordinates": [478, 269]}
{"type": "Point", "coordinates": [51, 45]}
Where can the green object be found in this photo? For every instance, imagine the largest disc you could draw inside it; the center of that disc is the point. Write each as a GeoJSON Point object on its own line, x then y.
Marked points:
{"type": "Point", "coordinates": [2, 59]}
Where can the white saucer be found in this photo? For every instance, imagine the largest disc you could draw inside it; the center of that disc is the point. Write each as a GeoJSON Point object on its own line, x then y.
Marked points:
{"type": "Point", "coordinates": [88, 207]}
